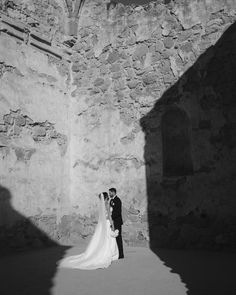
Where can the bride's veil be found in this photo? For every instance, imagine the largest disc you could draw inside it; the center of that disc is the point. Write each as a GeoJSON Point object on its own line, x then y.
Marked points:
{"type": "Point", "coordinates": [94, 250]}
{"type": "Point", "coordinates": [100, 230]}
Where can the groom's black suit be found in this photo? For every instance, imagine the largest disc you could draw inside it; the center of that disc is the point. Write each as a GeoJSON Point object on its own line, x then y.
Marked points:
{"type": "Point", "coordinates": [116, 216]}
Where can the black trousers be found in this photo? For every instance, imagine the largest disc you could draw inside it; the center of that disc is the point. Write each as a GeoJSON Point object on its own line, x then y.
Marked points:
{"type": "Point", "coordinates": [119, 240]}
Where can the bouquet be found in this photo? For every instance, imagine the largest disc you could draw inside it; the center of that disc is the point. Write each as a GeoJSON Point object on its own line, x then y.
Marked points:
{"type": "Point", "coordinates": [114, 233]}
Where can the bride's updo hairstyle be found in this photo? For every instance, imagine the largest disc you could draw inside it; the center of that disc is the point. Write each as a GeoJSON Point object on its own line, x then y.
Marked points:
{"type": "Point", "coordinates": [105, 195]}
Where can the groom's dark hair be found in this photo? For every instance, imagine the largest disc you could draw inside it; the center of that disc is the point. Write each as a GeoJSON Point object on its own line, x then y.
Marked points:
{"type": "Point", "coordinates": [112, 190]}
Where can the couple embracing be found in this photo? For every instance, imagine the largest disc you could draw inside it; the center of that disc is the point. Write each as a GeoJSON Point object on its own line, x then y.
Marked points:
{"type": "Point", "coordinates": [106, 243]}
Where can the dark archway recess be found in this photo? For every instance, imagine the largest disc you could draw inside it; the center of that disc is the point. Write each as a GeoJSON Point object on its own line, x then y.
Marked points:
{"type": "Point", "coordinates": [184, 198]}
{"type": "Point", "coordinates": [28, 257]}
{"type": "Point", "coordinates": [176, 144]}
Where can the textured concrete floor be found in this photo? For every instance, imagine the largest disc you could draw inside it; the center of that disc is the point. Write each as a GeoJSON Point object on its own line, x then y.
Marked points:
{"type": "Point", "coordinates": [166, 272]}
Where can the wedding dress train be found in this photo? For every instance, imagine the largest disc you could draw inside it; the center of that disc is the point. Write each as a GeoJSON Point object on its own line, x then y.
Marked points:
{"type": "Point", "coordinates": [101, 250]}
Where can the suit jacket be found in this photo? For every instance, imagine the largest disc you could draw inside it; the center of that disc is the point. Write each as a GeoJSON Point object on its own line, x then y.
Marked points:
{"type": "Point", "coordinates": [116, 214]}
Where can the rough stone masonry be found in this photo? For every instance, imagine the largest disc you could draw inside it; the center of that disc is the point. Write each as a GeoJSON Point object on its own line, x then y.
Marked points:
{"type": "Point", "coordinates": [95, 94]}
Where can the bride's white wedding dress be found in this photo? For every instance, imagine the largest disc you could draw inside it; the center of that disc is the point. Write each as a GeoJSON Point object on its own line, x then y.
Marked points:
{"type": "Point", "coordinates": [102, 248]}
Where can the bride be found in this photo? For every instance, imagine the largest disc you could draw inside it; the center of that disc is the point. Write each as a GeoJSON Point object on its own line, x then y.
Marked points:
{"type": "Point", "coordinates": [102, 248]}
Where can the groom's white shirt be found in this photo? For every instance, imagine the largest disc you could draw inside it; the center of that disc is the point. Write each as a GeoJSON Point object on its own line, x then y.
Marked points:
{"type": "Point", "coordinates": [112, 199]}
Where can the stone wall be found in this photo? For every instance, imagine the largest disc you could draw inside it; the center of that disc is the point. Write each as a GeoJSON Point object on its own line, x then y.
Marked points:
{"type": "Point", "coordinates": [139, 97]}
{"type": "Point", "coordinates": [133, 63]}
{"type": "Point", "coordinates": [34, 133]}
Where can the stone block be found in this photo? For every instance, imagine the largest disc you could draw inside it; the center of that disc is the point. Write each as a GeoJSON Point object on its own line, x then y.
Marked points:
{"type": "Point", "coordinates": [165, 66]}
{"type": "Point", "coordinates": [186, 47]}
{"type": "Point", "coordinates": [149, 78]}
{"type": "Point", "coordinates": [3, 128]}
{"type": "Point", "coordinates": [39, 131]}
{"type": "Point", "coordinates": [166, 29]}
{"type": "Point", "coordinates": [132, 84]}
{"type": "Point", "coordinates": [184, 35]}
{"type": "Point", "coordinates": [90, 54]}
{"type": "Point", "coordinates": [116, 75]}
{"type": "Point", "coordinates": [8, 119]}
{"type": "Point", "coordinates": [140, 52]}
{"type": "Point", "coordinates": [105, 86]}
{"type": "Point", "coordinates": [98, 82]}
{"type": "Point", "coordinates": [169, 78]}
{"type": "Point", "coordinates": [127, 64]}
{"type": "Point", "coordinates": [113, 57]}
{"type": "Point", "coordinates": [156, 56]}
{"type": "Point", "coordinates": [168, 42]}
{"type": "Point", "coordinates": [130, 73]}
{"type": "Point", "coordinates": [137, 65]}
{"type": "Point", "coordinates": [103, 69]}
{"type": "Point", "coordinates": [20, 120]}
{"type": "Point", "coordinates": [115, 68]}
{"type": "Point", "coordinates": [159, 46]}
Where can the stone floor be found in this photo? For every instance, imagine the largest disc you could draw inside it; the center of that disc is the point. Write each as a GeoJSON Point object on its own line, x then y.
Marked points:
{"type": "Point", "coordinates": [166, 272]}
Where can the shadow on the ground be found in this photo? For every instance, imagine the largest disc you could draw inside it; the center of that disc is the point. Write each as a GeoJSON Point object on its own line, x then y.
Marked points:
{"type": "Point", "coordinates": [31, 272]}
{"type": "Point", "coordinates": [204, 273]}
{"type": "Point", "coordinates": [23, 268]}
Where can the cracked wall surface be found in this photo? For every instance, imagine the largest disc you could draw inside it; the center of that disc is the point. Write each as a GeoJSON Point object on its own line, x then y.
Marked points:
{"type": "Point", "coordinates": [78, 115]}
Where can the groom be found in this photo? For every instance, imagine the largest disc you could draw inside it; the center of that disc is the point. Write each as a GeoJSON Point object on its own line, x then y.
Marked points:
{"type": "Point", "coordinates": [116, 216]}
